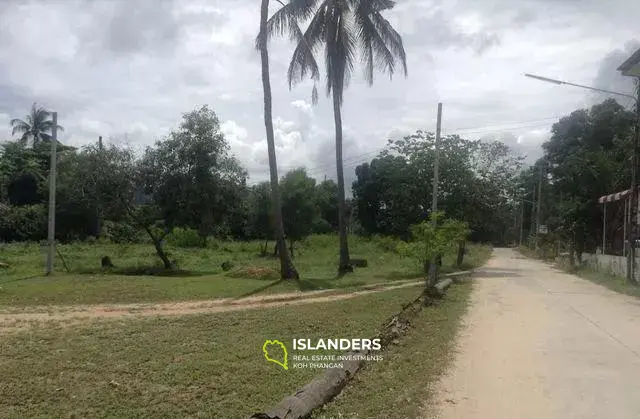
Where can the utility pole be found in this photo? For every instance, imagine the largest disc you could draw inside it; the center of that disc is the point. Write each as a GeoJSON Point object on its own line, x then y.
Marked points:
{"type": "Point", "coordinates": [633, 210]}
{"type": "Point", "coordinates": [532, 220]}
{"type": "Point", "coordinates": [433, 273]}
{"type": "Point", "coordinates": [52, 196]}
{"type": "Point", "coordinates": [538, 209]}
{"type": "Point", "coordinates": [521, 220]}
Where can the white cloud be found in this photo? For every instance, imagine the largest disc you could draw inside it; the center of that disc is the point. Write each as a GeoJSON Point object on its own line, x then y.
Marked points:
{"type": "Point", "coordinates": [111, 67]}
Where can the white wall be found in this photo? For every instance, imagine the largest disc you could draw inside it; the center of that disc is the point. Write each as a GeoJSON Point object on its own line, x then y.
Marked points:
{"type": "Point", "coordinates": [616, 265]}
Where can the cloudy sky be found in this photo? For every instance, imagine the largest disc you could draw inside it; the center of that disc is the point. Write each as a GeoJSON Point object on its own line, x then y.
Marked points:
{"type": "Point", "coordinates": [127, 70]}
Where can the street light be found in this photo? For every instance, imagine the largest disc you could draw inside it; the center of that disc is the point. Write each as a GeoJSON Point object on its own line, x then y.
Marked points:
{"type": "Point", "coordinates": [631, 67]}
{"type": "Point", "coordinates": [554, 81]}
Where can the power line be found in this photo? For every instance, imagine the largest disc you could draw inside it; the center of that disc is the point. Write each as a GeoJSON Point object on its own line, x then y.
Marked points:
{"type": "Point", "coordinates": [358, 158]}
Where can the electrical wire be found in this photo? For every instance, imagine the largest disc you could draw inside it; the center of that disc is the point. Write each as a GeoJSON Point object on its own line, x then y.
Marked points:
{"type": "Point", "coordinates": [357, 159]}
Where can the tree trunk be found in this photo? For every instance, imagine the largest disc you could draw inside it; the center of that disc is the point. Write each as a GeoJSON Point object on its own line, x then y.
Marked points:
{"type": "Point", "coordinates": [157, 243]}
{"type": "Point", "coordinates": [461, 251]}
{"type": "Point", "coordinates": [287, 270]}
{"type": "Point", "coordinates": [291, 248]}
{"type": "Point", "coordinates": [344, 265]}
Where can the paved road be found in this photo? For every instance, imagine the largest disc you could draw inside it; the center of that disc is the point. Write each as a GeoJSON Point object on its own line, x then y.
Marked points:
{"type": "Point", "coordinates": [539, 343]}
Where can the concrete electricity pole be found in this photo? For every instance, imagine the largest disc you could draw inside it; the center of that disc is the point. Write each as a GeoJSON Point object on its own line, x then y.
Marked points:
{"type": "Point", "coordinates": [433, 273]}
{"type": "Point", "coordinates": [52, 197]}
{"type": "Point", "coordinates": [538, 209]}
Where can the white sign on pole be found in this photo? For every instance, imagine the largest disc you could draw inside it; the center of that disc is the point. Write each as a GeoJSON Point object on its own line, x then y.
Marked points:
{"type": "Point", "coordinates": [543, 229]}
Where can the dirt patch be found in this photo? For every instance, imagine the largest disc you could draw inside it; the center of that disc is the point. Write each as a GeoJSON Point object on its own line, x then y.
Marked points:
{"type": "Point", "coordinates": [74, 314]}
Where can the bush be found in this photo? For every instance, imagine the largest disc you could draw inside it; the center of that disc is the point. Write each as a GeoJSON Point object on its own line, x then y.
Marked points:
{"type": "Point", "coordinates": [185, 237]}
{"type": "Point", "coordinates": [387, 244]}
{"type": "Point", "coordinates": [321, 226]}
{"type": "Point", "coordinates": [121, 232]}
{"type": "Point", "coordinates": [24, 223]}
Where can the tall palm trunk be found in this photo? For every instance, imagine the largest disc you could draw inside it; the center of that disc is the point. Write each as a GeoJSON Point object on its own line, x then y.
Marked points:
{"type": "Point", "coordinates": [344, 265]}
{"type": "Point", "coordinates": [287, 270]}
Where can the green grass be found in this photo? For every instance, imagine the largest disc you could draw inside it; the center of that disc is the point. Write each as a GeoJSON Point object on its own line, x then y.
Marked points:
{"type": "Point", "coordinates": [205, 365]}
{"type": "Point", "coordinates": [202, 276]}
{"type": "Point", "coordinates": [613, 282]}
{"type": "Point", "coordinates": [400, 386]}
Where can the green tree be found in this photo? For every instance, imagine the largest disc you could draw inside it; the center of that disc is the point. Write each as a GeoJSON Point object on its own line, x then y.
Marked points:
{"type": "Point", "coordinates": [287, 269]}
{"type": "Point", "coordinates": [327, 202]}
{"type": "Point", "coordinates": [585, 158]}
{"type": "Point", "coordinates": [260, 220]}
{"type": "Point", "coordinates": [191, 176]}
{"type": "Point", "coordinates": [299, 208]}
{"type": "Point", "coordinates": [433, 238]}
{"type": "Point", "coordinates": [343, 28]}
{"type": "Point", "coordinates": [35, 128]}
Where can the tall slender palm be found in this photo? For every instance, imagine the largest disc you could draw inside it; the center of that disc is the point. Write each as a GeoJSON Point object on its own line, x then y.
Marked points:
{"type": "Point", "coordinates": [343, 28]}
{"type": "Point", "coordinates": [287, 270]}
{"type": "Point", "coordinates": [36, 127]}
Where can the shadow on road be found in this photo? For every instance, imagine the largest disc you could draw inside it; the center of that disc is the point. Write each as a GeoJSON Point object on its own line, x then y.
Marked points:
{"type": "Point", "coordinates": [496, 273]}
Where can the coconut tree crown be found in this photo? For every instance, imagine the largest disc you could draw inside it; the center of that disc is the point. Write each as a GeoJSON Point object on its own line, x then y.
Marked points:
{"type": "Point", "coordinates": [36, 127]}
{"type": "Point", "coordinates": [346, 30]}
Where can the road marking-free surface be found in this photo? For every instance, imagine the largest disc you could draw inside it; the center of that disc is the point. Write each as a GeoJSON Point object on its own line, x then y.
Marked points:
{"type": "Point", "coordinates": [540, 343]}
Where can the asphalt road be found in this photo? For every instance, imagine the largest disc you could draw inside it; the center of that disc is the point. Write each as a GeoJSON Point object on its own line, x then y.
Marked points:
{"type": "Point", "coordinates": [540, 343]}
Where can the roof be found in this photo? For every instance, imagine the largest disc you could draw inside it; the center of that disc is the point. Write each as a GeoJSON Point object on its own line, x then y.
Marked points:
{"type": "Point", "coordinates": [614, 196]}
{"type": "Point", "coordinates": [631, 67]}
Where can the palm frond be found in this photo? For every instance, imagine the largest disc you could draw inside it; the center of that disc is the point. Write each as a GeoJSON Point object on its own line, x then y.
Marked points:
{"type": "Point", "coordinates": [285, 19]}
{"type": "Point", "coordinates": [303, 61]}
{"type": "Point", "coordinates": [18, 126]}
{"type": "Point", "coordinates": [391, 38]}
{"type": "Point", "coordinates": [340, 51]}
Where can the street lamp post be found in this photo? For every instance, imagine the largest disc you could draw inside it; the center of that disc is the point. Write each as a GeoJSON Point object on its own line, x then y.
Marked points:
{"type": "Point", "coordinates": [629, 68]}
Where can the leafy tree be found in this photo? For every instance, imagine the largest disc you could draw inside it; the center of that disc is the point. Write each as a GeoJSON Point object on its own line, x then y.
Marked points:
{"type": "Point", "coordinates": [433, 238]}
{"type": "Point", "coordinates": [585, 158]}
{"type": "Point", "coordinates": [299, 209]}
{"type": "Point", "coordinates": [327, 202]}
{"type": "Point", "coordinates": [191, 176]}
{"type": "Point", "coordinates": [343, 28]}
{"type": "Point", "coordinates": [477, 185]}
{"type": "Point", "coordinates": [287, 269]}
{"type": "Point", "coordinates": [260, 220]}
{"type": "Point", "coordinates": [36, 127]}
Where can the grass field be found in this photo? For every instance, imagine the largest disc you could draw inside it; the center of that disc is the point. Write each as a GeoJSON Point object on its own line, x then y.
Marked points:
{"type": "Point", "coordinates": [409, 369]}
{"type": "Point", "coordinates": [201, 365]}
{"type": "Point", "coordinates": [201, 276]}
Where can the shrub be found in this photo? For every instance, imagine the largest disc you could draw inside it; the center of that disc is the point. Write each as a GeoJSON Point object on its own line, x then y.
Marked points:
{"type": "Point", "coordinates": [24, 223]}
{"type": "Point", "coordinates": [386, 243]}
{"type": "Point", "coordinates": [185, 237]}
{"type": "Point", "coordinates": [121, 232]}
{"type": "Point", "coordinates": [321, 226]}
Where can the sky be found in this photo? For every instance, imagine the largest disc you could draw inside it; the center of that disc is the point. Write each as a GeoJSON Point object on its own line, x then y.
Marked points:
{"type": "Point", "coordinates": [128, 70]}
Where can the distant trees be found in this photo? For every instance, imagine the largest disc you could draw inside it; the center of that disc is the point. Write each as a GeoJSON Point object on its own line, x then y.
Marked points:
{"type": "Point", "coordinates": [477, 185]}
{"type": "Point", "coordinates": [299, 205]}
{"type": "Point", "coordinates": [586, 157]}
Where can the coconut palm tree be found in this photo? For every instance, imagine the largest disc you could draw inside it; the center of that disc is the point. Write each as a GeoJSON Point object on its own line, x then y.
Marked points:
{"type": "Point", "coordinates": [287, 269]}
{"type": "Point", "coordinates": [35, 128]}
{"type": "Point", "coordinates": [344, 29]}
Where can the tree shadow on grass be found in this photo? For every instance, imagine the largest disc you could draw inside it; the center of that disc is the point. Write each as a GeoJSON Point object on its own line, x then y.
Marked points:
{"type": "Point", "coordinates": [259, 290]}
{"type": "Point", "coordinates": [145, 271]}
{"type": "Point", "coordinates": [21, 279]}
{"type": "Point", "coordinates": [314, 284]}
